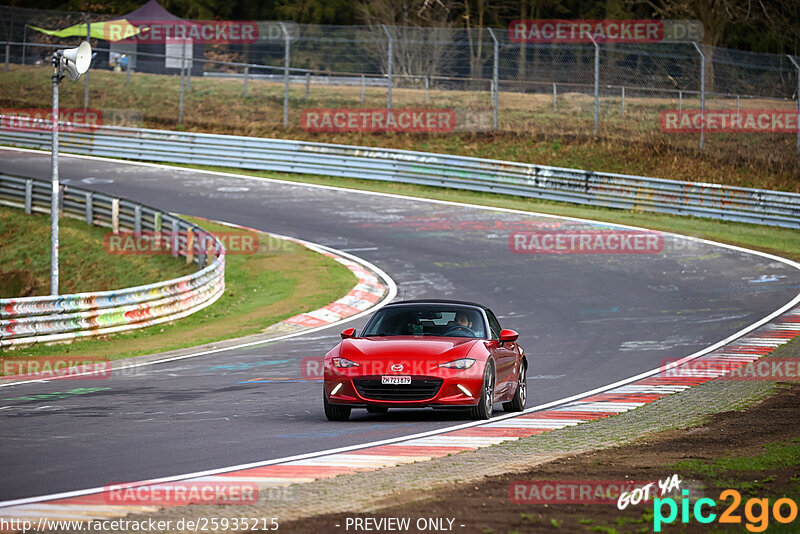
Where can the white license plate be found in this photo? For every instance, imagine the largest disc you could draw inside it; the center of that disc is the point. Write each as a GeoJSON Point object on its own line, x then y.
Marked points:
{"type": "Point", "coordinates": [394, 380]}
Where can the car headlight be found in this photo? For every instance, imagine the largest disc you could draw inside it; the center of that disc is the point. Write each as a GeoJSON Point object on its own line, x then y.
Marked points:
{"type": "Point", "coordinates": [343, 362]}
{"type": "Point", "coordinates": [463, 363]}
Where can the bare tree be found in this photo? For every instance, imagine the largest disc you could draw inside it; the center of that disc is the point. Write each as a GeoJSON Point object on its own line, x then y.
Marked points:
{"type": "Point", "coordinates": [715, 15]}
{"type": "Point", "coordinates": [421, 30]}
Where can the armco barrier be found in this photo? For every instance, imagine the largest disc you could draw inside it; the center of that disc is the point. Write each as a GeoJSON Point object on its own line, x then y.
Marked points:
{"type": "Point", "coordinates": [522, 179]}
{"type": "Point", "coordinates": [62, 317]}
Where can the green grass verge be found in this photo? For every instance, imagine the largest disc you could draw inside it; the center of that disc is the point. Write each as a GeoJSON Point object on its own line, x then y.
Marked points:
{"type": "Point", "coordinates": [781, 241]}
{"type": "Point", "coordinates": [84, 264]}
{"type": "Point", "coordinates": [261, 289]}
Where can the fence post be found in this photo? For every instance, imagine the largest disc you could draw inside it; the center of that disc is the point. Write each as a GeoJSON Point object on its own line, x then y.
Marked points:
{"type": "Point", "coordinates": [86, 80]}
{"type": "Point", "coordinates": [28, 196]}
{"type": "Point", "coordinates": [797, 97]}
{"type": "Point", "coordinates": [180, 102]}
{"type": "Point", "coordinates": [286, 53]}
{"type": "Point", "coordinates": [246, 73]}
{"type": "Point", "coordinates": [555, 92]}
{"type": "Point", "coordinates": [495, 78]}
{"type": "Point", "coordinates": [362, 89]}
{"type": "Point", "coordinates": [8, 52]}
{"type": "Point", "coordinates": [596, 83]}
{"type": "Point", "coordinates": [129, 68]}
{"type": "Point", "coordinates": [427, 84]}
{"type": "Point", "coordinates": [308, 83]}
{"type": "Point", "coordinates": [702, 94]}
{"type": "Point", "coordinates": [680, 101]}
{"type": "Point", "coordinates": [389, 67]}
{"type": "Point", "coordinates": [623, 100]}
{"type": "Point", "coordinates": [189, 71]}
{"type": "Point", "coordinates": [89, 208]}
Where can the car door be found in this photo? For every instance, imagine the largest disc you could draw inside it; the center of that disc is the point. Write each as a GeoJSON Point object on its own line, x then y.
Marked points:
{"type": "Point", "coordinates": [505, 357]}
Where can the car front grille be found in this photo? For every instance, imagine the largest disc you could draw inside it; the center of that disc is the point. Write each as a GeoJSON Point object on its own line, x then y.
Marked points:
{"type": "Point", "coordinates": [418, 389]}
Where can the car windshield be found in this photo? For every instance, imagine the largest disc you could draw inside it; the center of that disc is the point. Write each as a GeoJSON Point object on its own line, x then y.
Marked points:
{"type": "Point", "coordinates": [427, 320]}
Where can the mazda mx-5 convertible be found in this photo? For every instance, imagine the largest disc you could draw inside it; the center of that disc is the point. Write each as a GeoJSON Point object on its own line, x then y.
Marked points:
{"type": "Point", "coordinates": [426, 353]}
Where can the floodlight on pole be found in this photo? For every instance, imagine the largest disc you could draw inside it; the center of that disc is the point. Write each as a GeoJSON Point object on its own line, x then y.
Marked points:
{"type": "Point", "coordinates": [71, 62]}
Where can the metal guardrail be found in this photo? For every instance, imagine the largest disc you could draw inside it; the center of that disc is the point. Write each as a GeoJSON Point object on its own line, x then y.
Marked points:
{"type": "Point", "coordinates": [640, 193]}
{"type": "Point", "coordinates": [56, 318]}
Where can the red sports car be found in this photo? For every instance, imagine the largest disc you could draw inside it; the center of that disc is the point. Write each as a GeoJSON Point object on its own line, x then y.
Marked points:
{"type": "Point", "coordinates": [426, 353]}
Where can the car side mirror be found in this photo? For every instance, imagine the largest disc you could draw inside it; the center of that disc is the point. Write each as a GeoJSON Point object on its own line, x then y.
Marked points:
{"type": "Point", "coordinates": [508, 335]}
{"type": "Point", "coordinates": [348, 333]}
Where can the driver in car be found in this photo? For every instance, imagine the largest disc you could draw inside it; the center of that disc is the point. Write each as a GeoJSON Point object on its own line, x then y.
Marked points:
{"type": "Point", "coordinates": [462, 320]}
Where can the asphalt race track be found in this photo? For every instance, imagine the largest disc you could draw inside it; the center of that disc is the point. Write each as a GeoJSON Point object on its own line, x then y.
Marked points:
{"type": "Point", "coordinates": [585, 320]}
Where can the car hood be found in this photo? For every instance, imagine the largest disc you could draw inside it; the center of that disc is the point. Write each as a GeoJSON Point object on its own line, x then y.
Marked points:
{"type": "Point", "coordinates": [407, 348]}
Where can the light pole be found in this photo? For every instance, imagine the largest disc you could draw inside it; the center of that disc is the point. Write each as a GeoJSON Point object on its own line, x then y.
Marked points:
{"type": "Point", "coordinates": [73, 62]}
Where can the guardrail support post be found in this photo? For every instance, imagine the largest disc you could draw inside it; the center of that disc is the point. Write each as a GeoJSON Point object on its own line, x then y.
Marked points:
{"type": "Point", "coordinates": [797, 98]}
{"type": "Point", "coordinates": [596, 84]}
{"type": "Point", "coordinates": [89, 208]}
{"type": "Point", "coordinates": [201, 255]}
{"type": "Point", "coordinates": [157, 221]}
{"type": "Point", "coordinates": [389, 67]}
{"type": "Point", "coordinates": [137, 219]}
{"type": "Point", "coordinates": [702, 93]}
{"type": "Point", "coordinates": [175, 241]}
{"type": "Point", "coordinates": [28, 196]}
{"type": "Point", "coordinates": [495, 79]}
{"type": "Point", "coordinates": [246, 73]}
{"type": "Point", "coordinates": [115, 215]}
{"type": "Point", "coordinates": [189, 245]}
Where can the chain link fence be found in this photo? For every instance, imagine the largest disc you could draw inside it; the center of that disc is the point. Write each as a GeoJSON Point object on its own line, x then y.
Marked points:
{"type": "Point", "coordinates": [616, 91]}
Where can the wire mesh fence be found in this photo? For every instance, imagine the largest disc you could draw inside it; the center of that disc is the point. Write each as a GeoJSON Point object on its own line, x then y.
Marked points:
{"type": "Point", "coordinates": [490, 82]}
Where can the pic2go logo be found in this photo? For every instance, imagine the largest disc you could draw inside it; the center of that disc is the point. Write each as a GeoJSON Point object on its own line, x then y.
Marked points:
{"type": "Point", "coordinates": [757, 521]}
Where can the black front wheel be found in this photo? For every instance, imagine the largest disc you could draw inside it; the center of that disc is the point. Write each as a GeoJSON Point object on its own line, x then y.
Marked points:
{"type": "Point", "coordinates": [334, 412]}
{"type": "Point", "coordinates": [484, 408]}
{"type": "Point", "coordinates": [517, 404]}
